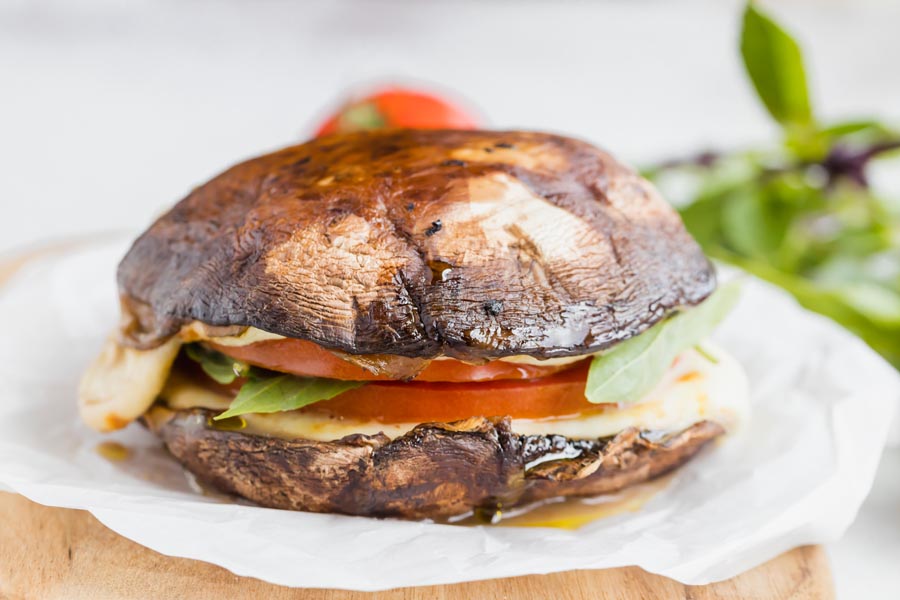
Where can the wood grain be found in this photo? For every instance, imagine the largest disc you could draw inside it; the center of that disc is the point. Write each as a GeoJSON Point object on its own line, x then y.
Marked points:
{"type": "Point", "coordinates": [54, 553]}
{"type": "Point", "coordinates": [62, 554]}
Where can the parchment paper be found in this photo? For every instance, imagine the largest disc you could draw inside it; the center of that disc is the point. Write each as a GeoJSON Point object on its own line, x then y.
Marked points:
{"type": "Point", "coordinates": [795, 474]}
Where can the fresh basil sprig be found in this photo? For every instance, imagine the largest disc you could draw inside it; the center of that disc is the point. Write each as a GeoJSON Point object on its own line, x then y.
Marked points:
{"type": "Point", "coordinates": [800, 214]}
{"type": "Point", "coordinates": [633, 368]}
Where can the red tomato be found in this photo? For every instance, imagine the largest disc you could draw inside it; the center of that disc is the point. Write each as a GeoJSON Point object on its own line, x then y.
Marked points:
{"type": "Point", "coordinates": [561, 394]}
{"type": "Point", "coordinates": [558, 395]}
{"type": "Point", "coordinates": [307, 359]}
{"type": "Point", "coordinates": [398, 107]}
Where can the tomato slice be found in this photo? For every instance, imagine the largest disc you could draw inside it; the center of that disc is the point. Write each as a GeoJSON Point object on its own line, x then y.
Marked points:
{"type": "Point", "coordinates": [307, 359]}
{"type": "Point", "coordinates": [561, 394]}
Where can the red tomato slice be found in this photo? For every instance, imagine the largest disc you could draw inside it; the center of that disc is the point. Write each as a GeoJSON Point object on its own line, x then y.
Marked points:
{"type": "Point", "coordinates": [307, 359]}
{"type": "Point", "coordinates": [398, 107]}
{"type": "Point", "coordinates": [558, 395]}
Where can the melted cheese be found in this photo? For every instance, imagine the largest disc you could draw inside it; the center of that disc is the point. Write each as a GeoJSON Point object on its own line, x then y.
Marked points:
{"type": "Point", "coordinates": [197, 331]}
{"type": "Point", "coordinates": [122, 383]}
{"type": "Point", "coordinates": [521, 359]}
{"type": "Point", "coordinates": [694, 389]}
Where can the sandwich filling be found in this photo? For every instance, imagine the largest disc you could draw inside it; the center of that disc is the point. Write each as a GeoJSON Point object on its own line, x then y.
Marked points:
{"type": "Point", "coordinates": [663, 380]}
{"type": "Point", "coordinates": [700, 385]}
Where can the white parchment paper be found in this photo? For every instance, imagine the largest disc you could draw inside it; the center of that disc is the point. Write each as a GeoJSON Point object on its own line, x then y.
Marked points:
{"type": "Point", "coordinates": [795, 474]}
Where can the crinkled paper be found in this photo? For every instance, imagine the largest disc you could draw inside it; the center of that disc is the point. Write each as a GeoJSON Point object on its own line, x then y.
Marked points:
{"type": "Point", "coordinates": [795, 474]}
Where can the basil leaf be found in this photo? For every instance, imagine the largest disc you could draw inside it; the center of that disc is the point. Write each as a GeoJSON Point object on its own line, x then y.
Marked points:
{"type": "Point", "coordinates": [749, 225]}
{"type": "Point", "coordinates": [870, 128]}
{"type": "Point", "coordinates": [826, 300]}
{"type": "Point", "coordinates": [263, 394]}
{"type": "Point", "coordinates": [223, 369]}
{"type": "Point", "coordinates": [775, 65]}
{"type": "Point", "coordinates": [634, 367]}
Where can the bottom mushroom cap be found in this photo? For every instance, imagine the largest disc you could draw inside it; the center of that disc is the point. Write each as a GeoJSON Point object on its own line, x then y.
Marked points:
{"type": "Point", "coordinates": [435, 471]}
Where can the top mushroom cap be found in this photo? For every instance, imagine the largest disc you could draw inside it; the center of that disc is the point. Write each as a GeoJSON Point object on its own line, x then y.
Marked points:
{"type": "Point", "coordinates": [471, 244]}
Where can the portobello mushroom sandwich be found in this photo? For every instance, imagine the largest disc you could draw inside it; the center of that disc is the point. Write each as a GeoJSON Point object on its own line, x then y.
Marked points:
{"type": "Point", "coordinates": [420, 324]}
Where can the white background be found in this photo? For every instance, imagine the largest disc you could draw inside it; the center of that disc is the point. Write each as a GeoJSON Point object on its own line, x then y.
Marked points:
{"type": "Point", "coordinates": [112, 110]}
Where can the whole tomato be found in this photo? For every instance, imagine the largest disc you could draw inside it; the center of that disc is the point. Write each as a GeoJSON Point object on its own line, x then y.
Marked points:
{"type": "Point", "coordinates": [398, 107]}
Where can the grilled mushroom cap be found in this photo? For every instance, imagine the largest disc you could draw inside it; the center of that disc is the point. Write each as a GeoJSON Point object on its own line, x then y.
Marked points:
{"type": "Point", "coordinates": [434, 471]}
{"type": "Point", "coordinates": [471, 244]}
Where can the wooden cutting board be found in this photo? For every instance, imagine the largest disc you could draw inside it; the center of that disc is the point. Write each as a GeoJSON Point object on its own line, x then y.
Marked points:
{"type": "Point", "coordinates": [55, 553]}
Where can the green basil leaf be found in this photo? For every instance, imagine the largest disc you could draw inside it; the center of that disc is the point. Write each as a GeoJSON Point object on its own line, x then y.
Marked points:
{"type": "Point", "coordinates": [632, 368]}
{"type": "Point", "coordinates": [775, 65]}
{"type": "Point", "coordinates": [879, 304]}
{"type": "Point", "coordinates": [703, 220]}
{"type": "Point", "coordinates": [223, 369]}
{"type": "Point", "coordinates": [264, 394]}
{"type": "Point", "coordinates": [871, 128]}
{"type": "Point", "coordinates": [824, 300]}
{"type": "Point", "coordinates": [748, 225]}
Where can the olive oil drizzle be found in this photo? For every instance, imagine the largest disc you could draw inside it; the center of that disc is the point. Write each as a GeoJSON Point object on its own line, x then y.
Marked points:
{"type": "Point", "coordinates": [567, 513]}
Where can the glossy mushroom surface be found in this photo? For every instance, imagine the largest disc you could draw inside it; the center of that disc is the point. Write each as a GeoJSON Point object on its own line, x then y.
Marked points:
{"type": "Point", "coordinates": [435, 471]}
{"type": "Point", "coordinates": [417, 244]}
